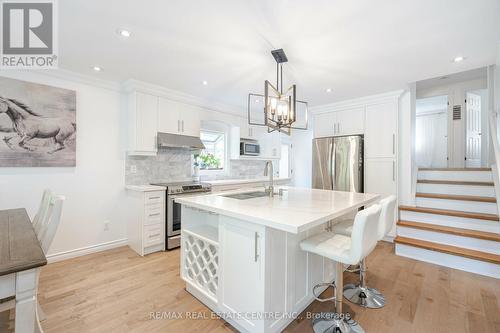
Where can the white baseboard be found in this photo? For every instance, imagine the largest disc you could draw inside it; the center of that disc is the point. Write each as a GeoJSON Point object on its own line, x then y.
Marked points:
{"type": "Point", "coordinates": [55, 257]}
{"type": "Point", "coordinates": [389, 239]}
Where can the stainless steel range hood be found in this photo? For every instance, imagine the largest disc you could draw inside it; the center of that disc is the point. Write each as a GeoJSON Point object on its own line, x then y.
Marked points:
{"type": "Point", "coordinates": [167, 140]}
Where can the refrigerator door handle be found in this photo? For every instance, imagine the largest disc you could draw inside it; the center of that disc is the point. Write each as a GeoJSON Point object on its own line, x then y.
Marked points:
{"type": "Point", "coordinates": [394, 170]}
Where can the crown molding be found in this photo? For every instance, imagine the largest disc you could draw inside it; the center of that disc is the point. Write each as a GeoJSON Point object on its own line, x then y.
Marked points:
{"type": "Point", "coordinates": [132, 85]}
{"type": "Point", "coordinates": [65, 75]}
{"type": "Point", "coordinates": [357, 102]}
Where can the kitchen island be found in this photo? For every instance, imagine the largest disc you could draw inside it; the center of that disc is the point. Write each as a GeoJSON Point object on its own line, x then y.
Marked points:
{"type": "Point", "coordinates": [240, 253]}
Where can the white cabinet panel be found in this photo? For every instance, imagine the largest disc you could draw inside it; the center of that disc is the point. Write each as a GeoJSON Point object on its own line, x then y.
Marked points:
{"type": "Point", "coordinates": [350, 122]}
{"type": "Point", "coordinates": [381, 130]}
{"type": "Point", "coordinates": [168, 117]}
{"type": "Point", "coordinates": [242, 281]}
{"type": "Point", "coordinates": [143, 117]}
{"type": "Point", "coordinates": [179, 118]}
{"type": "Point", "coordinates": [324, 124]}
{"type": "Point", "coordinates": [190, 120]}
{"type": "Point", "coordinates": [380, 176]}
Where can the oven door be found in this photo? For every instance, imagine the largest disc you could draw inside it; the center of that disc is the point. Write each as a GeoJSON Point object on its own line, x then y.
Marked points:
{"type": "Point", "coordinates": [174, 214]}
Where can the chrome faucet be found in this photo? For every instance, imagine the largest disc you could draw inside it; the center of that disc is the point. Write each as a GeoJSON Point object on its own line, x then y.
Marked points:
{"type": "Point", "coordinates": [268, 170]}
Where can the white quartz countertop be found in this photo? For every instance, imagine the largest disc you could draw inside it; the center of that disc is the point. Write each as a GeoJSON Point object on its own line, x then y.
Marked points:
{"type": "Point", "coordinates": [298, 210]}
{"type": "Point", "coordinates": [145, 188]}
{"type": "Point", "coordinates": [243, 181]}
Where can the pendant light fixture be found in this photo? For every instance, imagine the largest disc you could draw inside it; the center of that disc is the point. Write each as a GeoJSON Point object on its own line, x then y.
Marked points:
{"type": "Point", "coordinates": [280, 106]}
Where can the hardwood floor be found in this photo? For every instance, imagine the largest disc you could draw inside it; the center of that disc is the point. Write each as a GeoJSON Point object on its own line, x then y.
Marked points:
{"type": "Point", "coordinates": [117, 291]}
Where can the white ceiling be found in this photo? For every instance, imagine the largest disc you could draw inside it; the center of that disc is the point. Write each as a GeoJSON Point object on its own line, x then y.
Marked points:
{"type": "Point", "coordinates": [356, 48]}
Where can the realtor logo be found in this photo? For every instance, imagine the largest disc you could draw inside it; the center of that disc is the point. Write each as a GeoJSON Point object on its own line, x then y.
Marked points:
{"type": "Point", "coordinates": [29, 37]}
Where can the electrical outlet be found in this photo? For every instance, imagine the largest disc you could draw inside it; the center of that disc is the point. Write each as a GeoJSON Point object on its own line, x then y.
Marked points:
{"type": "Point", "coordinates": [106, 225]}
{"type": "Point", "coordinates": [133, 169]}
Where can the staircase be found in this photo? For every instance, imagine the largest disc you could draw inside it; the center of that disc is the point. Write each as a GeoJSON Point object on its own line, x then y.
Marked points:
{"type": "Point", "coordinates": [455, 222]}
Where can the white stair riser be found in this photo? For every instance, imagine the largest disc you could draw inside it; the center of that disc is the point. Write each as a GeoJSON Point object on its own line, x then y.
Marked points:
{"type": "Point", "coordinates": [480, 191]}
{"type": "Point", "coordinates": [451, 221]}
{"type": "Point", "coordinates": [449, 260]}
{"type": "Point", "coordinates": [449, 239]}
{"type": "Point", "coordinates": [473, 176]}
{"type": "Point", "coordinates": [462, 205]}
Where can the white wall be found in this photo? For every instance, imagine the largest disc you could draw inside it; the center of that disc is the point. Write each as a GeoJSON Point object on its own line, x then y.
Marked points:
{"type": "Point", "coordinates": [406, 153]}
{"type": "Point", "coordinates": [94, 189]}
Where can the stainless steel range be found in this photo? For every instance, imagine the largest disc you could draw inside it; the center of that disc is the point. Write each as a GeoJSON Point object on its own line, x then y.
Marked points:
{"type": "Point", "coordinates": [173, 209]}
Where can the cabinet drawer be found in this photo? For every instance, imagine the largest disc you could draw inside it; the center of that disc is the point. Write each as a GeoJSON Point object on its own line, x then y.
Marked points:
{"type": "Point", "coordinates": [154, 214]}
{"type": "Point", "coordinates": [154, 198]}
{"type": "Point", "coordinates": [153, 235]}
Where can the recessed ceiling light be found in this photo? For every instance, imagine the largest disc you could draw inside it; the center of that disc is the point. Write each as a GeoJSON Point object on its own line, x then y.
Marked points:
{"type": "Point", "coordinates": [97, 69]}
{"type": "Point", "coordinates": [329, 90]}
{"type": "Point", "coordinates": [204, 82]}
{"type": "Point", "coordinates": [124, 33]}
{"type": "Point", "coordinates": [458, 59]}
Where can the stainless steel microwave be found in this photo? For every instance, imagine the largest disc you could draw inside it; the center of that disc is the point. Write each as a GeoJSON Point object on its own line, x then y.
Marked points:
{"type": "Point", "coordinates": [249, 148]}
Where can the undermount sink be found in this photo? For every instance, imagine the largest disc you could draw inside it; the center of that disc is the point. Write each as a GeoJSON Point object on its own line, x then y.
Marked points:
{"type": "Point", "coordinates": [248, 195]}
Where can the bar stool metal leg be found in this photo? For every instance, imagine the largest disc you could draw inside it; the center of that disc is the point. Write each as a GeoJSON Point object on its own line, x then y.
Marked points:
{"type": "Point", "coordinates": [362, 295]}
{"type": "Point", "coordinates": [337, 321]}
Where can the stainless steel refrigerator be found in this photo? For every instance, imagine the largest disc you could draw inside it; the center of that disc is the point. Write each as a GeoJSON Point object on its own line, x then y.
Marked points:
{"type": "Point", "coordinates": [338, 163]}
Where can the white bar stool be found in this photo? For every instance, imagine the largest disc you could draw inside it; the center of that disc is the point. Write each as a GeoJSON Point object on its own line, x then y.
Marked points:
{"type": "Point", "coordinates": [344, 250]}
{"type": "Point", "coordinates": [361, 294]}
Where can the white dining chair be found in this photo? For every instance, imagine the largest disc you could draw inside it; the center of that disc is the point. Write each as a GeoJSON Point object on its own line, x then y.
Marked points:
{"type": "Point", "coordinates": [39, 220]}
{"type": "Point", "coordinates": [48, 221]}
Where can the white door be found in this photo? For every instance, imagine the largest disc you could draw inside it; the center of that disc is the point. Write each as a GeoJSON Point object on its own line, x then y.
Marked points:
{"type": "Point", "coordinates": [380, 176]}
{"type": "Point", "coordinates": [242, 271]}
{"type": "Point", "coordinates": [473, 131]}
{"type": "Point", "coordinates": [380, 130]}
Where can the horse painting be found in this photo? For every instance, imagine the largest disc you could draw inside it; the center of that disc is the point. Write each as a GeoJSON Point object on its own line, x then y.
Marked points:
{"type": "Point", "coordinates": [30, 125]}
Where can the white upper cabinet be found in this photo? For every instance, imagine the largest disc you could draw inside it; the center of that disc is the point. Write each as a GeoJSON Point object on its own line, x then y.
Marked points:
{"type": "Point", "coordinates": [324, 124]}
{"type": "Point", "coordinates": [178, 118]}
{"type": "Point", "coordinates": [143, 124]}
{"type": "Point", "coordinates": [168, 117]}
{"type": "Point", "coordinates": [381, 130]}
{"type": "Point", "coordinates": [350, 122]}
{"type": "Point", "coordinates": [337, 123]}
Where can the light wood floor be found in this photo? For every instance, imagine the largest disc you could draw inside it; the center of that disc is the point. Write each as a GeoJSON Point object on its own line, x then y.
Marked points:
{"type": "Point", "coordinates": [116, 290]}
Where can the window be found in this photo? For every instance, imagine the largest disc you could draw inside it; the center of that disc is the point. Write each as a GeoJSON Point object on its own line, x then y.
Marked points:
{"type": "Point", "coordinates": [213, 157]}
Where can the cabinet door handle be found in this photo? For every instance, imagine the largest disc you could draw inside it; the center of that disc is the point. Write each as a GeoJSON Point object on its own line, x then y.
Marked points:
{"type": "Point", "coordinates": [155, 214]}
{"type": "Point", "coordinates": [154, 198]}
{"type": "Point", "coordinates": [393, 144]}
{"type": "Point", "coordinates": [394, 170]}
{"type": "Point", "coordinates": [338, 127]}
{"type": "Point", "coordinates": [154, 235]}
{"type": "Point", "coordinates": [182, 122]}
{"type": "Point", "coordinates": [256, 239]}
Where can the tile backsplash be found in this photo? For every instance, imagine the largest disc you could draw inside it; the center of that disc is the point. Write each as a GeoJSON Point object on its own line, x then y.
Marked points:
{"type": "Point", "coordinates": [169, 165]}
{"type": "Point", "coordinates": [173, 165]}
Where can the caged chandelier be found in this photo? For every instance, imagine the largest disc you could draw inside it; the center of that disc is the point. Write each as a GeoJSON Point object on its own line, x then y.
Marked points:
{"type": "Point", "coordinates": [280, 107]}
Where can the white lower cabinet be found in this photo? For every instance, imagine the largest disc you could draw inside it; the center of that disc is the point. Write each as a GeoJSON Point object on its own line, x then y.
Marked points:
{"type": "Point", "coordinates": [255, 277]}
{"type": "Point", "coordinates": [146, 221]}
{"type": "Point", "coordinates": [242, 271]}
{"type": "Point", "coordinates": [380, 176]}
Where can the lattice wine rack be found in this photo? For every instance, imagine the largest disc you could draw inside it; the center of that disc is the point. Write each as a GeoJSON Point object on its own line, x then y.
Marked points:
{"type": "Point", "coordinates": [201, 262]}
